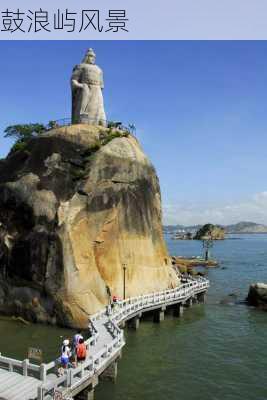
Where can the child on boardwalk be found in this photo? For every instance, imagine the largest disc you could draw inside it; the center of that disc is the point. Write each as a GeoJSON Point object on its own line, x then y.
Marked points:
{"type": "Point", "coordinates": [65, 356]}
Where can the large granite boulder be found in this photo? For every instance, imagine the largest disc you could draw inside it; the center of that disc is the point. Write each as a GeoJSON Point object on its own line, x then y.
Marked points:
{"type": "Point", "coordinates": [75, 206]}
{"type": "Point", "coordinates": [257, 295]}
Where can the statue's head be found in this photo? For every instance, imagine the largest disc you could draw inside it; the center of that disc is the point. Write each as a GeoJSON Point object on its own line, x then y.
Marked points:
{"type": "Point", "coordinates": [89, 57]}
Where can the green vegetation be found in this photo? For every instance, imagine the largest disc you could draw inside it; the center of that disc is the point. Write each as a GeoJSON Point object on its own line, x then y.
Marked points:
{"type": "Point", "coordinates": [23, 134]}
{"type": "Point", "coordinates": [91, 150]}
{"type": "Point", "coordinates": [113, 124]}
{"type": "Point", "coordinates": [52, 125]}
{"type": "Point", "coordinates": [112, 135]}
{"type": "Point", "coordinates": [105, 138]}
{"type": "Point", "coordinates": [18, 146]}
{"type": "Point", "coordinates": [131, 128]}
{"type": "Point", "coordinates": [210, 232]}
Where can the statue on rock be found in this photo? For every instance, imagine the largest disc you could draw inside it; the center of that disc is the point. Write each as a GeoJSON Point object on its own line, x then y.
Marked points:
{"type": "Point", "coordinates": [87, 99]}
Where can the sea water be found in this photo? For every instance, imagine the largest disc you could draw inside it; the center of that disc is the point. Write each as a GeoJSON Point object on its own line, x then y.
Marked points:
{"type": "Point", "coordinates": [216, 351]}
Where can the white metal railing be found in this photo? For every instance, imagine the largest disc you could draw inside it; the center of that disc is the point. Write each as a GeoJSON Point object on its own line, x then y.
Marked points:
{"type": "Point", "coordinates": [24, 367]}
{"type": "Point", "coordinates": [76, 376]}
{"type": "Point", "coordinates": [124, 310]}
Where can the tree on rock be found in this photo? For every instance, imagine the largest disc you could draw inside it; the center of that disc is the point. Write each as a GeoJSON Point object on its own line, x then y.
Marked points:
{"type": "Point", "coordinates": [23, 133]}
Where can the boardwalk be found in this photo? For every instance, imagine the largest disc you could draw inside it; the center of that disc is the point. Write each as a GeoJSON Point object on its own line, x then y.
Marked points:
{"type": "Point", "coordinates": [16, 387]}
{"type": "Point", "coordinates": [20, 380]}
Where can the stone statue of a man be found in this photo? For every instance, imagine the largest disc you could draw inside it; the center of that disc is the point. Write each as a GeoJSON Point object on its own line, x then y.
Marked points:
{"type": "Point", "coordinates": [87, 99]}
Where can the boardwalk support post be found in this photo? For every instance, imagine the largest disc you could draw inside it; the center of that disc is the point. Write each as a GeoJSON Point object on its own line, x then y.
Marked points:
{"type": "Point", "coordinates": [201, 297]}
{"type": "Point", "coordinates": [122, 324]}
{"type": "Point", "coordinates": [179, 310]}
{"type": "Point", "coordinates": [189, 302]}
{"type": "Point", "coordinates": [86, 394]}
{"type": "Point", "coordinates": [110, 373]}
{"type": "Point", "coordinates": [134, 323]}
{"type": "Point", "coordinates": [159, 314]}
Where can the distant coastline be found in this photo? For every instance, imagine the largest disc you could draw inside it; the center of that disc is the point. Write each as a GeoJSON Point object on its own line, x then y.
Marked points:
{"type": "Point", "coordinates": [249, 228]}
{"type": "Point", "coordinates": [246, 233]}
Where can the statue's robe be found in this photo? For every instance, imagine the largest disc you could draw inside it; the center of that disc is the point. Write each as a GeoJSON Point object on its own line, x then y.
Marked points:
{"type": "Point", "coordinates": [87, 102]}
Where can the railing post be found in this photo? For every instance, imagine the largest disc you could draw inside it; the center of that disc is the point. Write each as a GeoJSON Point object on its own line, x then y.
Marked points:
{"type": "Point", "coordinates": [66, 374]}
{"type": "Point", "coordinates": [25, 364]}
{"type": "Point", "coordinates": [106, 353]}
{"type": "Point", "coordinates": [70, 380]}
{"type": "Point", "coordinates": [43, 372]}
{"type": "Point", "coordinates": [82, 371]}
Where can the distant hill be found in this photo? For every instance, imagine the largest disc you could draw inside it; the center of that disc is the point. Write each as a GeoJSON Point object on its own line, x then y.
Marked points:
{"type": "Point", "coordinates": [240, 227]}
{"type": "Point", "coordinates": [181, 228]}
{"type": "Point", "coordinates": [246, 227]}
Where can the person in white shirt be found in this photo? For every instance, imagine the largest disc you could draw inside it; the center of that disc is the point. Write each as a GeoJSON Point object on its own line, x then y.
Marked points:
{"type": "Point", "coordinates": [65, 353]}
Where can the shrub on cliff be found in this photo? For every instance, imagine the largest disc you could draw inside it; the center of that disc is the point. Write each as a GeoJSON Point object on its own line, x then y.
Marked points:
{"type": "Point", "coordinates": [22, 134]}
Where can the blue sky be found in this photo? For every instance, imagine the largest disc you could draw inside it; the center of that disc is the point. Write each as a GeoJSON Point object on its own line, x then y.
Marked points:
{"type": "Point", "coordinates": [200, 109]}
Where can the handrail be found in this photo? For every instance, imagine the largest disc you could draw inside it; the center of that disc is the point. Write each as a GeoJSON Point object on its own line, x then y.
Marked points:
{"type": "Point", "coordinates": [58, 123]}
{"type": "Point", "coordinates": [200, 282]}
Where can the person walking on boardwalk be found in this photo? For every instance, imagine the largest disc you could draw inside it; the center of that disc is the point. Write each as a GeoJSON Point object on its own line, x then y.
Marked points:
{"type": "Point", "coordinates": [75, 343]}
{"type": "Point", "coordinates": [115, 301]}
{"type": "Point", "coordinates": [81, 351]}
{"type": "Point", "coordinates": [76, 338]}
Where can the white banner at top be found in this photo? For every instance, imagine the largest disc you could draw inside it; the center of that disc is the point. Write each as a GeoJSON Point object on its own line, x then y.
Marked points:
{"type": "Point", "coordinates": [132, 19]}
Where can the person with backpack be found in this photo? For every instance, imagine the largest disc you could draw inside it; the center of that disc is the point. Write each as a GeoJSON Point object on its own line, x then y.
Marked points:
{"type": "Point", "coordinates": [81, 351]}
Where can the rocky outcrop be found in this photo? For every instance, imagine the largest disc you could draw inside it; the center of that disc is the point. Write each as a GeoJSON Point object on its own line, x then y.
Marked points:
{"type": "Point", "coordinates": [210, 231]}
{"type": "Point", "coordinates": [75, 206]}
{"type": "Point", "coordinates": [257, 295]}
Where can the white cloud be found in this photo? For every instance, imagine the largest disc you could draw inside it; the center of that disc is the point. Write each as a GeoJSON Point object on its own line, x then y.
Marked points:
{"type": "Point", "coordinates": [254, 209]}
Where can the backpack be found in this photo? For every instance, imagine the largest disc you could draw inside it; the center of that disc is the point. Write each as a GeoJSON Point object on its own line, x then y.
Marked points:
{"type": "Point", "coordinates": [81, 350]}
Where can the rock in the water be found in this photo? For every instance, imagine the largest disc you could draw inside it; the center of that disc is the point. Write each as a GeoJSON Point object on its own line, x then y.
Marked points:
{"type": "Point", "coordinates": [257, 295]}
{"type": "Point", "coordinates": [210, 231]}
{"type": "Point", "coordinates": [75, 206]}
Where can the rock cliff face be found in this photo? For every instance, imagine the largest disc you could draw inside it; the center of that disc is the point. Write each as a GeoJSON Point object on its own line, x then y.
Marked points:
{"type": "Point", "coordinates": [75, 205]}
